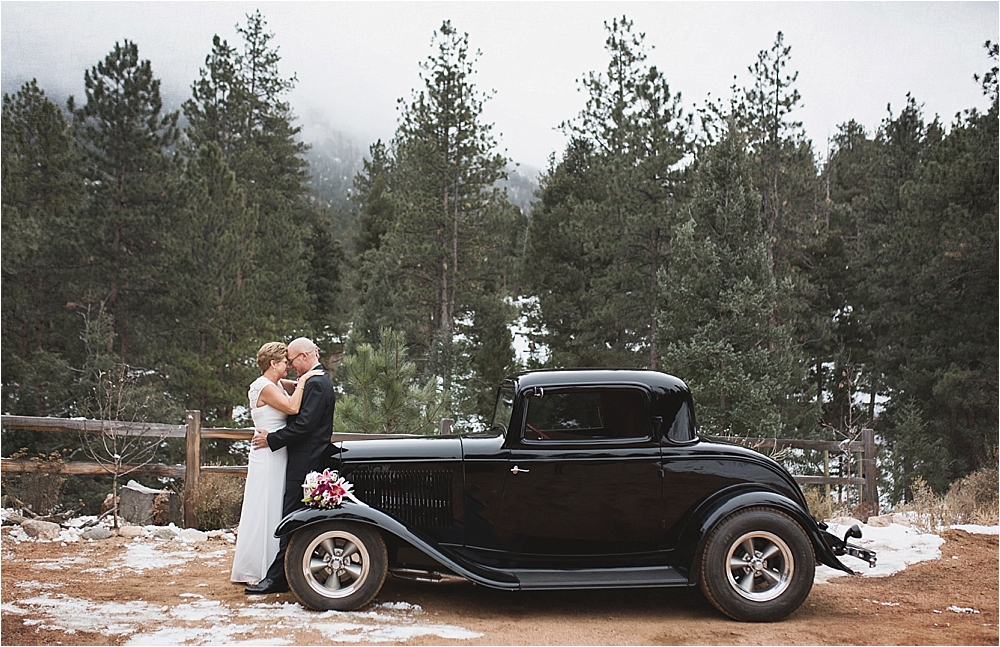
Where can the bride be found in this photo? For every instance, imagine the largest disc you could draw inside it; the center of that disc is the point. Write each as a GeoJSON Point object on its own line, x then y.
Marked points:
{"type": "Point", "coordinates": [272, 398]}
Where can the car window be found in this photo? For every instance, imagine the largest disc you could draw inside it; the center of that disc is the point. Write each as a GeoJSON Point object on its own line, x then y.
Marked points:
{"type": "Point", "coordinates": [682, 429]}
{"type": "Point", "coordinates": [503, 409]}
{"type": "Point", "coordinates": [586, 414]}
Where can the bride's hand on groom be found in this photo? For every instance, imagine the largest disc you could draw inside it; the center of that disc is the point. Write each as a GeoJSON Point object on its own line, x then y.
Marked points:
{"type": "Point", "coordinates": [312, 373]}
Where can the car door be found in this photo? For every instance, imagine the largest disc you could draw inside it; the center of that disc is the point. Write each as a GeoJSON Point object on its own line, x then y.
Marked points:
{"type": "Point", "coordinates": [583, 479]}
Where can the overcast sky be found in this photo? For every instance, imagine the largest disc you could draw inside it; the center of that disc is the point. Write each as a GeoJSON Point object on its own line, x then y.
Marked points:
{"type": "Point", "coordinates": [355, 59]}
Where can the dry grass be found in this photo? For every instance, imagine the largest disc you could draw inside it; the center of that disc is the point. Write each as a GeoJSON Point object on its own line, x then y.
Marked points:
{"type": "Point", "coordinates": [820, 506]}
{"type": "Point", "coordinates": [976, 498]}
{"type": "Point", "coordinates": [930, 508]}
{"type": "Point", "coordinates": [219, 501]}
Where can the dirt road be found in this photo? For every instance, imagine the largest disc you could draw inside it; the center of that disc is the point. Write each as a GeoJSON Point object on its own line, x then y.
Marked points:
{"type": "Point", "coordinates": [118, 591]}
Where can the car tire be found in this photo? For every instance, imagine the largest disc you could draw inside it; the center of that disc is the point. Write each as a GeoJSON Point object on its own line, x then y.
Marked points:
{"type": "Point", "coordinates": [336, 565]}
{"type": "Point", "coordinates": [764, 586]}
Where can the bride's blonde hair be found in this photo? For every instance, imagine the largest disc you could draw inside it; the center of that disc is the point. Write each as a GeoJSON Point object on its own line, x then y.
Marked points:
{"type": "Point", "coordinates": [272, 351]}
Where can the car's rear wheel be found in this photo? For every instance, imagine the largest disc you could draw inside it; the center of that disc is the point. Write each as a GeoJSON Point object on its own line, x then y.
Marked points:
{"type": "Point", "coordinates": [336, 565]}
{"type": "Point", "coordinates": [757, 566]}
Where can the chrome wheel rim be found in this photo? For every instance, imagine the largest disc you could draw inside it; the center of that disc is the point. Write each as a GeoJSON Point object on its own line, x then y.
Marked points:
{"type": "Point", "coordinates": [335, 564]}
{"type": "Point", "coordinates": [760, 566]}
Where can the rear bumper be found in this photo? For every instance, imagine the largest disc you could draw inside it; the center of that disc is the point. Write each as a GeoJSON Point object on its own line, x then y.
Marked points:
{"type": "Point", "coordinates": [842, 547]}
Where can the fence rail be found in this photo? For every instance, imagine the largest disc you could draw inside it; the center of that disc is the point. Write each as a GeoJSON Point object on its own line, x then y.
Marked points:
{"type": "Point", "coordinates": [193, 433]}
{"type": "Point", "coordinates": [95, 426]}
{"type": "Point", "coordinates": [866, 480]}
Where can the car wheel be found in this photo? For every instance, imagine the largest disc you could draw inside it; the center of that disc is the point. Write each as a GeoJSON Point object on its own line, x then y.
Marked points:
{"type": "Point", "coordinates": [758, 565]}
{"type": "Point", "coordinates": [336, 565]}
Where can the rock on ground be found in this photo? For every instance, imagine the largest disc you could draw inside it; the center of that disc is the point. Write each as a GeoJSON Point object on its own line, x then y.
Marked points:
{"type": "Point", "coordinates": [41, 529]}
{"type": "Point", "coordinates": [99, 532]}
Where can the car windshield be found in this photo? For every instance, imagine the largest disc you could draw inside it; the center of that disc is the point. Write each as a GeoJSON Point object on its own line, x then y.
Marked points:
{"type": "Point", "coordinates": [503, 409]}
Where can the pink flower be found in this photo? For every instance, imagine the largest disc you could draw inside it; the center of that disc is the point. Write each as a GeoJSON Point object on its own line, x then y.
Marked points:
{"type": "Point", "coordinates": [325, 490]}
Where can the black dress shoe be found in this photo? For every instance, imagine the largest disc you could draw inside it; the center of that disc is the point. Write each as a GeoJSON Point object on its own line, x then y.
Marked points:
{"type": "Point", "coordinates": [265, 586]}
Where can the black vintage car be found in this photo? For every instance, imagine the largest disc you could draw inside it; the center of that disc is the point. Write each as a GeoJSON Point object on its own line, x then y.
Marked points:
{"type": "Point", "coordinates": [586, 479]}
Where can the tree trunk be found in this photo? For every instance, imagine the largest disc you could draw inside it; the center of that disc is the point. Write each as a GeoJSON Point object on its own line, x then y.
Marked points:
{"type": "Point", "coordinates": [203, 394]}
{"type": "Point", "coordinates": [653, 359]}
{"type": "Point", "coordinates": [454, 262]}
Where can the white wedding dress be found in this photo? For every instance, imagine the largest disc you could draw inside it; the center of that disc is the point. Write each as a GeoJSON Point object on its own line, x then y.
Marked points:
{"type": "Point", "coordinates": [256, 544]}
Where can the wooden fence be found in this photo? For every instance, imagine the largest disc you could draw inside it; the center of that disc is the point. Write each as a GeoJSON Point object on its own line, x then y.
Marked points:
{"type": "Point", "coordinates": [866, 480]}
{"type": "Point", "coordinates": [193, 433]}
{"type": "Point", "coordinates": [190, 471]}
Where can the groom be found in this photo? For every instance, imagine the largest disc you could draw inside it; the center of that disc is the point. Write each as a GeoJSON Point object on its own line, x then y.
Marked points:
{"type": "Point", "coordinates": [307, 437]}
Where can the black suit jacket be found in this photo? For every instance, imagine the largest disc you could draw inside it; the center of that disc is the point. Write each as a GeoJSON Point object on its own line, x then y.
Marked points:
{"type": "Point", "coordinates": [307, 434]}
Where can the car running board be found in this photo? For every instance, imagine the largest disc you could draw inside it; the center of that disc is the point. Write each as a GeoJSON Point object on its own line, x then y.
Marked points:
{"type": "Point", "coordinates": [598, 578]}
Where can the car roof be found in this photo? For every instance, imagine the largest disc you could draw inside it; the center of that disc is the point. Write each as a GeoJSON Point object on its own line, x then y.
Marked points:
{"type": "Point", "coordinates": [579, 377]}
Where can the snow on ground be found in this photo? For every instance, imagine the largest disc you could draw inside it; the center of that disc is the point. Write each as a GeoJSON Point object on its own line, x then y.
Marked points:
{"type": "Point", "coordinates": [243, 625]}
{"type": "Point", "coordinates": [197, 620]}
{"type": "Point", "coordinates": [210, 622]}
{"type": "Point", "coordinates": [896, 546]}
{"type": "Point", "coordinates": [145, 555]}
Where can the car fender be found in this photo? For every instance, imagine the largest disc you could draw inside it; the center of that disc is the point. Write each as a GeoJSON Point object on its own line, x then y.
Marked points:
{"type": "Point", "coordinates": [373, 517]}
{"type": "Point", "coordinates": [730, 500]}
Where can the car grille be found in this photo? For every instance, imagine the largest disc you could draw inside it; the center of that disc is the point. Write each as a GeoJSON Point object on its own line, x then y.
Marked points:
{"type": "Point", "coordinates": [415, 497]}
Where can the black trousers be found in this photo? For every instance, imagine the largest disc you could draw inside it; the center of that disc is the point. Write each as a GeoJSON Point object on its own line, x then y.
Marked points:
{"type": "Point", "coordinates": [291, 502]}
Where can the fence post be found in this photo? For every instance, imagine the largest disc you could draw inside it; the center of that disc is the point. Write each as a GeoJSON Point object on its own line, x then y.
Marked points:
{"type": "Point", "coordinates": [826, 473]}
{"type": "Point", "coordinates": [192, 467]}
{"type": "Point", "coordinates": [445, 426]}
{"type": "Point", "coordinates": [868, 462]}
{"type": "Point", "coordinates": [861, 474]}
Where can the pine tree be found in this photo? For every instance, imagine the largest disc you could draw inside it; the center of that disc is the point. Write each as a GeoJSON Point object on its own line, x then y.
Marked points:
{"type": "Point", "coordinates": [130, 170]}
{"type": "Point", "coordinates": [843, 349]}
{"type": "Point", "coordinates": [445, 240]}
{"type": "Point", "coordinates": [806, 255]}
{"type": "Point", "coordinates": [931, 287]}
{"type": "Point", "coordinates": [41, 192]}
{"type": "Point", "coordinates": [215, 249]}
{"type": "Point", "coordinates": [328, 308]}
{"type": "Point", "coordinates": [563, 260]}
{"type": "Point", "coordinates": [383, 394]}
{"type": "Point", "coordinates": [238, 104]}
{"type": "Point", "coordinates": [918, 205]}
{"type": "Point", "coordinates": [371, 186]}
{"type": "Point", "coordinates": [375, 275]}
{"type": "Point", "coordinates": [486, 356]}
{"type": "Point", "coordinates": [719, 295]}
{"type": "Point", "coordinates": [214, 113]}
{"type": "Point", "coordinates": [629, 142]}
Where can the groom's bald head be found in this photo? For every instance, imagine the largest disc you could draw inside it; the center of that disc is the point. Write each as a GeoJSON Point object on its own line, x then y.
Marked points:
{"type": "Point", "coordinates": [302, 354]}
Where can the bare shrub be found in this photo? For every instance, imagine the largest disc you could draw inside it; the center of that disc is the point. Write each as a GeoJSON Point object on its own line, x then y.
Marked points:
{"type": "Point", "coordinates": [120, 402]}
{"type": "Point", "coordinates": [976, 497]}
{"type": "Point", "coordinates": [219, 501]}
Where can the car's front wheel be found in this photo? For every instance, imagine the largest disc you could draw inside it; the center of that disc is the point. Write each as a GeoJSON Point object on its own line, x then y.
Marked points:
{"type": "Point", "coordinates": [757, 566]}
{"type": "Point", "coordinates": [336, 565]}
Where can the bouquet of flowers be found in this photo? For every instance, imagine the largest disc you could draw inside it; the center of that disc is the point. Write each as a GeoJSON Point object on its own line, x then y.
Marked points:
{"type": "Point", "coordinates": [326, 489]}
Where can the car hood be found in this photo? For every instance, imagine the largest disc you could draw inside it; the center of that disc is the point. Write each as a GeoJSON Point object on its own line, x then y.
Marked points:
{"type": "Point", "coordinates": [397, 448]}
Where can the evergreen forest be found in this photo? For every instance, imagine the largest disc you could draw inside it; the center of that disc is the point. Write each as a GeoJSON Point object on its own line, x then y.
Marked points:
{"type": "Point", "coordinates": [798, 294]}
